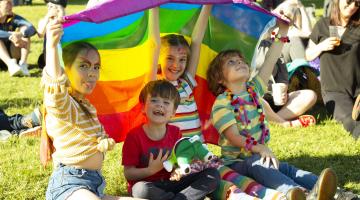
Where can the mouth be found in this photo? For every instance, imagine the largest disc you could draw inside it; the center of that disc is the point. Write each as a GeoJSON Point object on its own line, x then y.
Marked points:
{"type": "Point", "coordinates": [174, 71]}
{"type": "Point", "coordinates": [158, 113]}
{"type": "Point", "coordinates": [90, 84]}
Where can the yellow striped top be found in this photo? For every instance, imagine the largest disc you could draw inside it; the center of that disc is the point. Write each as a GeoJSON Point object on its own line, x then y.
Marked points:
{"type": "Point", "coordinates": [74, 134]}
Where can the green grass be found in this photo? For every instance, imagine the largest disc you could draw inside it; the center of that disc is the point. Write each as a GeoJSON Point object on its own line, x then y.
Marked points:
{"type": "Point", "coordinates": [22, 177]}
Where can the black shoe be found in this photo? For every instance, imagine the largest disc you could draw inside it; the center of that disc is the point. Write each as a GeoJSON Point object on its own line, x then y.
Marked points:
{"type": "Point", "coordinates": [325, 186]}
{"type": "Point", "coordinates": [345, 195]}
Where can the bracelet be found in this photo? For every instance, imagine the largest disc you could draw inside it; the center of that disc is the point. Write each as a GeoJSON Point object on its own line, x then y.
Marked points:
{"type": "Point", "coordinates": [277, 37]}
{"type": "Point", "coordinates": [249, 143]}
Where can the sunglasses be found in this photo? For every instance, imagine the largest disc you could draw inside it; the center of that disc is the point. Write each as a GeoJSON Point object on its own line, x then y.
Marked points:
{"type": "Point", "coordinates": [357, 2]}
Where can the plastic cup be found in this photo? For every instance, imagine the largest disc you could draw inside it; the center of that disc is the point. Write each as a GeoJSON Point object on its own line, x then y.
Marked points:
{"type": "Point", "coordinates": [278, 91]}
{"type": "Point", "coordinates": [334, 32]}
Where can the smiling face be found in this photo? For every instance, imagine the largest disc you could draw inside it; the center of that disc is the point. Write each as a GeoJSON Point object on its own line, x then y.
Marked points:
{"type": "Point", "coordinates": [234, 69]}
{"type": "Point", "coordinates": [348, 8]}
{"type": "Point", "coordinates": [158, 110]}
{"type": "Point", "coordinates": [173, 61]}
{"type": "Point", "coordinates": [5, 7]}
{"type": "Point", "coordinates": [84, 72]}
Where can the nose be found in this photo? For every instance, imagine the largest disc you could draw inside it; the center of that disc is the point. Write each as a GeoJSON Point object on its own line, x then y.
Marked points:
{"type": "Point", "coordinates": [93, 72]}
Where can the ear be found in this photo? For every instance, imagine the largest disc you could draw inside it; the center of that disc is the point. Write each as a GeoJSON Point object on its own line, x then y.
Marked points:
{"type": "Point", "coordinates": [174, 112]}
{"type": "Point", "coordinates": [142, 108]}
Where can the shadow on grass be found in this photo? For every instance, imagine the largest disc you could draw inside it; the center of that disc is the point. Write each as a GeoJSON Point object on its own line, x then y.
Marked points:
{"type": "Point", "coordinates": [35, 71]}
{"type": "Point", "coordinates": [345, 166]}
{"type": "Point", "coordinates": [19, 103]}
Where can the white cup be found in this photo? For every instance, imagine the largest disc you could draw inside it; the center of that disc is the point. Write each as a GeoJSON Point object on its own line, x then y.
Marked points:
{"type": "Point", "coordinates": [278, 91]}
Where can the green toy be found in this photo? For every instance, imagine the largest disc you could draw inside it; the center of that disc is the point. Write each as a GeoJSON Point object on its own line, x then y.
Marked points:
{"type": "Point", "coordinates": [185, 151]}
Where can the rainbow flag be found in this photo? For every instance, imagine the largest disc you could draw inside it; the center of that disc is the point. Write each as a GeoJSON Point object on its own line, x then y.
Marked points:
{"type": "Point", "coordinates": [118, 28]}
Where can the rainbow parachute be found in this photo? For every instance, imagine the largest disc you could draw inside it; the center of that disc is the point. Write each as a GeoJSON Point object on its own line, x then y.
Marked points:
{"type": "Point", "coordinates": [118, 28]}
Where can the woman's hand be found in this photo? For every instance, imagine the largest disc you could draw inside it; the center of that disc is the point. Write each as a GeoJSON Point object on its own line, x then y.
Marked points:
{"type": "Point", "coordinates": [54, 31]}
{"type": "Point", "coordinates": [267, 156]}
{"type": "Point", "coordinates": [329, 44]}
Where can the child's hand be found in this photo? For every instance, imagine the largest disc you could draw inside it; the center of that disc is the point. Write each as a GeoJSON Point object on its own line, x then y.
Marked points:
{"type": "Point", "coordinates": [156, 165]}
{"type": "Point", "coordinates": [54, 32]}
{"type": "Point", "coordinates": [176, 175]}
{"type": "Point", "coordinates": [267, 156]}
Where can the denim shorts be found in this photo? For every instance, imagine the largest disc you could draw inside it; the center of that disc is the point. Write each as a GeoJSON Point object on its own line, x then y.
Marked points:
{"type": "Point", "coordinates": [65, 180]}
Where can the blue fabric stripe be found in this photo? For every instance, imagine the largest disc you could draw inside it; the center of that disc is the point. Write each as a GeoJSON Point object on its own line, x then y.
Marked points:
{"type": "Point", "coordinates": [85, 30]}
{"type": "Point", "coordinates": [180, 6]}
{"type": "Point", "coordinates": [242, 18]}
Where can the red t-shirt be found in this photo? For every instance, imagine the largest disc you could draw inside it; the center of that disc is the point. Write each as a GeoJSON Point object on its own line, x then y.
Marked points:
{"type": "Point", "coordinates": [138, 146]}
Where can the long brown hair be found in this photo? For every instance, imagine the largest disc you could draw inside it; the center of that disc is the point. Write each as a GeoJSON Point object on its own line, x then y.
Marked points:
{"type": "Point", "coordinates": [335, 15]}
{"type": "Point", "coordinates": [70, 52]}
{"type": "Point", "coordinates": [214, 74]}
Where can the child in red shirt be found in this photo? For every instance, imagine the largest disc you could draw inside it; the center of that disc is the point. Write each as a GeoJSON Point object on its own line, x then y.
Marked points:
{"type": "Point", "coordinates": [146, 148]}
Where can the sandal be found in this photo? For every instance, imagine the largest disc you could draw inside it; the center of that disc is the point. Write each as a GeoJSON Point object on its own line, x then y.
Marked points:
{"type": "Point", "coordinates": [356, 109]}
{"type": "Point", "coordinates": [305, 121]}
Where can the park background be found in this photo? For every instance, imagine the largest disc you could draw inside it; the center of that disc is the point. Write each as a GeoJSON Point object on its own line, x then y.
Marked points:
{"type": "Point", "coordinates": [22, 177]}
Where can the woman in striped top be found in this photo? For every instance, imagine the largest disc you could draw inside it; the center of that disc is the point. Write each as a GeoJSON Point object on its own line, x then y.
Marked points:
{"type": "Point", "coordinates": [71, 126]}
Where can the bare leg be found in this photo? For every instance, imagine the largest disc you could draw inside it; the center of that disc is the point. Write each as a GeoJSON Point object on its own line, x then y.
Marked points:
{"type": "Point", "coordinates": [25, 49]}
{"type": "Point", "coordinates": [108, 197]}
{"type": "Point", "coordinates": [271, 115]}
{"type": "Point", "coordinates": [83, 194]}
{"type": "Point", "coordinates": [298, 103]}
{"type": "Point", "coordinates": [15, 52]}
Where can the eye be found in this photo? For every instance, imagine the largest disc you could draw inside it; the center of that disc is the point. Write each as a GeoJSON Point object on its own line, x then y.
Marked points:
{"type": "Point", "coordinates": [183, 60]}
{"type": "Point", "coordinates": [97, 67]}
{"type": "Point", "coordinates": [231, 62]}
{"type": "Point", "coordinates": [167, 102]}
{"type": "Point", "coordinates": [83, 66]}
{"type": "Point", "coordinates": [153, 100]}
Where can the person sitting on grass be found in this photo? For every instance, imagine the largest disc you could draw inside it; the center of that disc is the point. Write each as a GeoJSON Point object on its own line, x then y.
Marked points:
{"type": "Point", "coordinates": [15, 33]}
{"type": "Point", "coordinates": [238, 116]}
{"type": "Point", "coordinates": [147, 146]}
{"type": "Point", "coordinates": [72, 134]}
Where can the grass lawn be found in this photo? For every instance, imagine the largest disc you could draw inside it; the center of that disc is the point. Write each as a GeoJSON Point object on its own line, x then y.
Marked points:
{"type": "Point", "coordinates": [22, 177]}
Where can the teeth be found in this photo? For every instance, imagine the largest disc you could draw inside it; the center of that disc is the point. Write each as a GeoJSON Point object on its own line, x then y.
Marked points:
{"type": "Point", "coordinates": [158, 112]}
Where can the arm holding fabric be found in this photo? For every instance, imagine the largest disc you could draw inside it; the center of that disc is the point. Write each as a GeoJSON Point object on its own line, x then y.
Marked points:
{"type": "Point", "coordinates": [273, 54]}
{"type": "Point", "coordinates": [196, 39]}
{"type": "Point", "coordinates": [154, 39]}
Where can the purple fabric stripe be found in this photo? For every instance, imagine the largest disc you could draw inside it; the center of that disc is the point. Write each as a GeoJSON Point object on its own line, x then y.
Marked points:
{"type": "Point", "coordinates": [117, 8]}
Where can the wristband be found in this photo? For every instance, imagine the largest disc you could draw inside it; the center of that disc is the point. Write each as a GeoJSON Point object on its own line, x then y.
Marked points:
{"type": "Point", "coordinates": [277, 37]}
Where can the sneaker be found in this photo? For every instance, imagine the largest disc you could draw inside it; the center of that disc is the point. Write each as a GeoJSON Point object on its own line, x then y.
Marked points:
{"type": "Point", "coordinates": [325, 186]}
{"type": "Point", "coordinates": [32, 120]}
{"type": "Point", "coordinates": [356, 109]}
{"type": "Point", "coordinates": [295, 194]}
{"type": "Point", "coordinates": [5, 135]}
{"type": "Point", "coordinates": [345, 195]}
{"type": "Point", "coordinates": [14, 68]}
{"type": "Point", "coordinates": [31, 132]}
{"type": "Point", "coordinates": [24, 69]}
